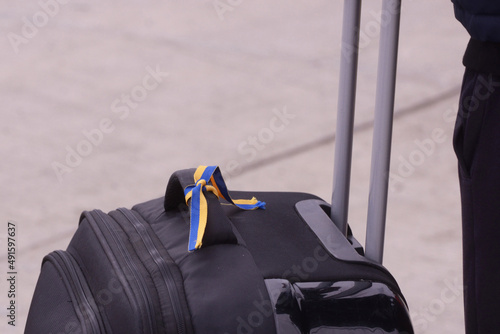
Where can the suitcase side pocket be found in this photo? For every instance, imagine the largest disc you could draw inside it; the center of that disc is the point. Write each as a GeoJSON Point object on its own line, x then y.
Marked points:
{"type": "Point", "coordinates": [62, 301]}
{"type": "Point", "coordinates": [124, 292]}
{"type": "Point", "coordinates": [163, 270]}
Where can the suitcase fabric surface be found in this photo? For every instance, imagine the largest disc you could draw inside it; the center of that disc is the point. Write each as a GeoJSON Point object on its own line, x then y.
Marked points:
{"type": "Point", "coordinates": [284, 269]}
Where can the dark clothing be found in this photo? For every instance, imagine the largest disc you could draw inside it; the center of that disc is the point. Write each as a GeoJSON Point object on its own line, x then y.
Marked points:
{"type": "Point", "coordinates": [481, 18]}
{"type": "Point", "coordinates": [483, 56]}
{"type": "Point", "coordinates": [477, 145]}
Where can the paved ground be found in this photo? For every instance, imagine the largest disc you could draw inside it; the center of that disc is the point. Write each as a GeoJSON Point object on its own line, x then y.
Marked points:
{"type": "Point", "coordinates": [160, 86]}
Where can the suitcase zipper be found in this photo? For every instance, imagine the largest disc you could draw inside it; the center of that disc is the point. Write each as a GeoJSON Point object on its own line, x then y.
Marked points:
{"type": "Point", "coordinates": [84, 299]}
{"type": "Point", "coordinates": [163, 266]}
{"type": "Point", "coordinates": [148, 313]}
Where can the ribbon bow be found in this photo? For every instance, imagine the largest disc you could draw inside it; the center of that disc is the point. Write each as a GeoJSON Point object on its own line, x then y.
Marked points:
{"type": "Point", "coordinates": [198, 203]}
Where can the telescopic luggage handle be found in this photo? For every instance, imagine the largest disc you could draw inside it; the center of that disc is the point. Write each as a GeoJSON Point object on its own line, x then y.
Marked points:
{"type": "Point", "coordinates": [382, 132]}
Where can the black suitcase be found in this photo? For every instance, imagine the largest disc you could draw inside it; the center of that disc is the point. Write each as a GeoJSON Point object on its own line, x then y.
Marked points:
{"type": "Point", "coordinates": [190, 262]}
{"type": "Point", "coordinates": [286, 269]}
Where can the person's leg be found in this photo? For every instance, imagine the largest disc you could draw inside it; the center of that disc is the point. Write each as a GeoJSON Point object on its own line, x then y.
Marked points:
{"type": "Point", "coordinates": [477, 145]}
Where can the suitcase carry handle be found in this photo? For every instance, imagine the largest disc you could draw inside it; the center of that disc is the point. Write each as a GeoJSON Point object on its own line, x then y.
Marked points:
{"type": "Point", "coordinates": [382, 132]}
{"type": "Point", "coordinates": [201, 189]}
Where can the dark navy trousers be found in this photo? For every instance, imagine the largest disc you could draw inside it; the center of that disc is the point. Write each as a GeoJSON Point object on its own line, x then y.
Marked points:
{"type": "Point", "coordinates": [477, 145]}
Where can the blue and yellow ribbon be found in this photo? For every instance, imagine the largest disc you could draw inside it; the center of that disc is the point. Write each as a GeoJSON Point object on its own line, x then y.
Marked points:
{"type": "Point", "coordinates": [209, 178]}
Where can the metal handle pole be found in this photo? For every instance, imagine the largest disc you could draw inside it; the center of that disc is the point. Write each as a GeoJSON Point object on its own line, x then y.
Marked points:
{"type": "Point", "coordinates": [382, 131]}
{"type": "Point", "coordinates": [345, 113]}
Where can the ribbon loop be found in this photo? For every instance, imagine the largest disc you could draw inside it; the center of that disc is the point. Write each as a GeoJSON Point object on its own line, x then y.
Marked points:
{"type": "Point", "coordinates": [198, 204]}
